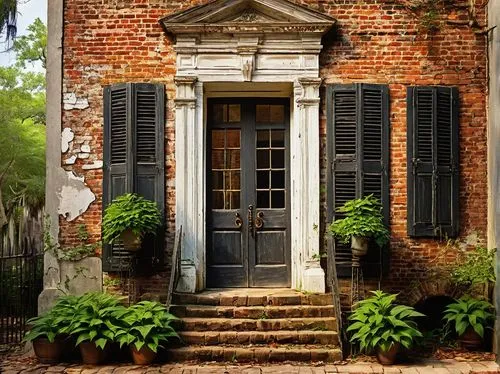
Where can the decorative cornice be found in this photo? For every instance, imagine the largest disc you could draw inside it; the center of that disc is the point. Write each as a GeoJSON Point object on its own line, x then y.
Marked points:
{"type": "Point", "coordinates": [247, 16]}
{"type": "Point", "coordinates": [247, 28]}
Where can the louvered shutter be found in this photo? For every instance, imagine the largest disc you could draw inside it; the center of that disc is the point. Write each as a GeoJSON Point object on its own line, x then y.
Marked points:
{"type": "Point", "coordinates": [433, 155]}
{"type": "Point", "coordinates": [133, 162]}
{"type": "Point", "coordinates": [373, 153]}
{"type": "Point", "coordinates": [117, 163]}
{"type": "Point", "coordinates": [358, 153]}
{"type": "Point", "coordinates": [150, 170]}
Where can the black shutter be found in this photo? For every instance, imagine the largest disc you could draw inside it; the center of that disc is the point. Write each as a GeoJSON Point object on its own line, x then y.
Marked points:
{"type": "Point", "coordinates": [433, 156]}
{"type": "Point", "coordinates": [117, 172]}
{"type": "Point", "coordinates": [134, 162]}
{"type": "Point", "coordinates": [358, 154]}
{"type": "Point", "coordinates": [150, 163]}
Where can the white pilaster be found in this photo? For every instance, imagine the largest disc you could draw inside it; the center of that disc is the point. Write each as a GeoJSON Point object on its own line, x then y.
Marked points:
{"type": "Point", "coordinates": [305, 183]}
{"type": "Point", "coordinates": [189, 181]}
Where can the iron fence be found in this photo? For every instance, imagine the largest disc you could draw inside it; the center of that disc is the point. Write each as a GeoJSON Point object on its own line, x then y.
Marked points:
{"type": "Point", "coordinates": [21, 281]}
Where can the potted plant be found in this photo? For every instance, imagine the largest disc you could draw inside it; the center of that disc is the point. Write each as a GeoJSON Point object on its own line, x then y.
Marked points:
{"type": "Point", "coordinates": [470, 317]}
{"type": "Point", "coordinates": [96, 316]}
{"type": "Point", "coordinates": [363, 220]}
{"type": "Point", "coordinates": [381, 325]}
{"type": "Point", "coordinates": [146, 325]}
{"type": "Point", "coordinates": [47, 331]}
{"type": "Point", "coordinates": [129, 217]}
{"type": "Point", "coordinates": [47, 343]}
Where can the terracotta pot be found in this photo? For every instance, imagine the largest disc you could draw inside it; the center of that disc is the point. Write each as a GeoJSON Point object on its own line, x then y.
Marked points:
{"type": "Point", "coordinates": [144, 356]}
{"type": "Point", "coordinates": [470, 339]}
{"type": "Point", "coordinates": [91, 354]}
{"type": "Point", "coordinates": [388, 357]}
{"type": "Point", "coordinates": [47, 352]}
{"type": "Point", "coordinates": [131, 242]}
{"type": "Point", "coordinates": [359, 246]}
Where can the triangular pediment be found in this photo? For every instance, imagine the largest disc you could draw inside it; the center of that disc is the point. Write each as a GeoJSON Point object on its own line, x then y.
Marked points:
{"type": "Point", "coordinates": [247, 16]}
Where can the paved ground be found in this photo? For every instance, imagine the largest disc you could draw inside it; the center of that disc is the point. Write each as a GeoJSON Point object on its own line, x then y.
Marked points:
{"type": "Point", "coordinates": [429, 367]}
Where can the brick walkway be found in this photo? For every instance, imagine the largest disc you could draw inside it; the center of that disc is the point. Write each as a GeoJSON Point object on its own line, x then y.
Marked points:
{"type": "Point", "coordinates": [429, 367]}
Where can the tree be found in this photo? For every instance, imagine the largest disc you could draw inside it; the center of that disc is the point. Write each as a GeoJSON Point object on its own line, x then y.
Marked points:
{"type": "Point", "coordinates": [8, 18]}
{"type": "Point", "coordinates": [33, 46]}
{"type": "Point", "coordinates": [22, 120]}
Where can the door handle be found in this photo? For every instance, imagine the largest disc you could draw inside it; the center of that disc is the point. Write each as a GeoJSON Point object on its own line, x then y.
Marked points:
{"type": "Point", "coordinates": [259, 221]}
{"type": "Point", "coordinates": [250, 219]}
{"type": "Point", "coordinates": [238, 221]}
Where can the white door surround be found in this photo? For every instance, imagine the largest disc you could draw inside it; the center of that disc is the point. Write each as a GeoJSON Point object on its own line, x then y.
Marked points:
{"type": "Point", "coordinates": [248, 48]}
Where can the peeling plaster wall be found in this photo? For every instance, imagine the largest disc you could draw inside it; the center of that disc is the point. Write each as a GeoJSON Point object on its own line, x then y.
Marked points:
{"type": "Point", "coordinates": [74, 197]}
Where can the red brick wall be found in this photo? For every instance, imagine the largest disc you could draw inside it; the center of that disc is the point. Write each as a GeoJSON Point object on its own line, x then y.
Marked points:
{"type": "Point", "coordinates": [376, 41]}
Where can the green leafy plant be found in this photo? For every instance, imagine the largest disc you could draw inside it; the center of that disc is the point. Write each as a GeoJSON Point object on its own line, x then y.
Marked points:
{"type": "Point", "coordinates": [475, 267]}
{"type": "Point", "coordinates": [363, 217]}
{"type": "Point", "coordinates": [146, 323]}
{"type": "Point", "coordinates": [130, 212]}
{"type": "Point", "coordinates": [378, 322]}
{"type": "Point", "coordinates": [96, 317]}
{"type": "Point", "coordinates": [469, 312]}
{"type": "Point", "coordinates": [55, 322]}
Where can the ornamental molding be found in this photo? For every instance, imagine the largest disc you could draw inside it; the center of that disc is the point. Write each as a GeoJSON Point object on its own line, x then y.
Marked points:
{"type": "Point", "coordinates": [247, 16]}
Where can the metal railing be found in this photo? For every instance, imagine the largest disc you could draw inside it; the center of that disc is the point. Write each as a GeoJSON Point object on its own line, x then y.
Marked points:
{"type": "Point", "coordinates": [21, 281]}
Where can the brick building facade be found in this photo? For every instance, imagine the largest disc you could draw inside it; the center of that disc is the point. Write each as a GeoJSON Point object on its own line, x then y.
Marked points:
{"type": "Point", "coordinates": [394, 43]}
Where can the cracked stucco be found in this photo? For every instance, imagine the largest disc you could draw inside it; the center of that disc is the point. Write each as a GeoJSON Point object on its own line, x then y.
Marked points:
{"type": "Point", "coordinates": [74, 197]}
{"type": "Point", "coordinates": [71, 101]}
{"type": "Point", "coordinates": [67, 137]}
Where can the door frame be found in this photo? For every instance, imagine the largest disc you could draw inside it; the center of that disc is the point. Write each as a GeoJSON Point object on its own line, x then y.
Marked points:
{"type": "Point", "coordinates": [249, 245]}
{"type": "Point", "coordinates": [190, 176]}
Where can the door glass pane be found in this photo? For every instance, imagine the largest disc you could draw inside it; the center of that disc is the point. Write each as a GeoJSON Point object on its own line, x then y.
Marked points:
{"type": "Point", "coordinates": [224, 113]}
{"type": "Point", "coordinates": [270, 113]}
{"type": "Point", "coordinates": [263, 199]}
{"type": "Point", "coordinates": [234, 113]}
{"type": "Point", "coordinates": [262, 159]}
{"type": "Point", "coordinates": [226, 168]}
{"type": "Point", "coordinates": [271, 171]}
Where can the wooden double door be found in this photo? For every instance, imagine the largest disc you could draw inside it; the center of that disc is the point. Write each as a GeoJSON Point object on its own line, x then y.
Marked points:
{"type": "Point", "coordinates": [248, 184]}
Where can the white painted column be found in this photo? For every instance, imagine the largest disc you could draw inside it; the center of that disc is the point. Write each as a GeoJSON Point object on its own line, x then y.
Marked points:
{"type": "Point", "coordinates": [189, 181]}
{"type": "Point", "coordinates": [307, 273]}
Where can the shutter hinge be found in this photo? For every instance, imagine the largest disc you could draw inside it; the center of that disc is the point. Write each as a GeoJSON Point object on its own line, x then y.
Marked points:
{"type": "Point", "coordinates": [414, 163]}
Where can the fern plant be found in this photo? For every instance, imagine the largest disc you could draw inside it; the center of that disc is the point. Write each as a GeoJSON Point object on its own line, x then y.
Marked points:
{"type": "Point", "coordinates": [130, 212]}
{"type": "Point", "coordinates": [468, 312]}
{"type": "Point", "coordinates": [379, 323]}
{"type": "Point", "coordinates": [146, 323]}
{"type": "Point", "coordinates": [363, 217]}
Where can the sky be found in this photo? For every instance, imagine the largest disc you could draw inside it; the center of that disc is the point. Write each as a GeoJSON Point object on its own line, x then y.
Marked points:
{"type": "Point", "coordinates": [28, 11]}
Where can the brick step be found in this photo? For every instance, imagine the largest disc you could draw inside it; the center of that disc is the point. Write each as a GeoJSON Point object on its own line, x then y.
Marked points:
{"type": "Point", "coordinates": [253, 312]}
{"type": "Point", "coordinates": [251, 299]}
{"type": "Point", "coordinates": [257, 337]}
{"type": "Point", "coordinates": [247, 324]}
{"type": "Point", "coordinates": [255, 353]}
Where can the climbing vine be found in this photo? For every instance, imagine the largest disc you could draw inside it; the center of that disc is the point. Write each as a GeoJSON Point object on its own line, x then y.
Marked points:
{"type": "Point", "coordinates": [432, 13]}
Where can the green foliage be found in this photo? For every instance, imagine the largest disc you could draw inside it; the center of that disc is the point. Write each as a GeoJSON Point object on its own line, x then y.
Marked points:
{"type": "Point", "coordinates": [130, 211]}
{"type": "Point", "coordinates": [363, 217]}
{"type": "Point", "coordinates": [97, 315]}
{"type": "Point", "coordinates": [54, 322]}
{"type": "Point", "coordinates": [378, 322]}
{"type": "Point", "coordinates": [33, 46]}
{"type": "Point", "coordinates": [475, 267]}
{"type": "Point", "coordinates": [469, 312]}
{"type": "Point", "coordinates": [146, 323]}
{"type": "Point", "coordinates": [22, 120]}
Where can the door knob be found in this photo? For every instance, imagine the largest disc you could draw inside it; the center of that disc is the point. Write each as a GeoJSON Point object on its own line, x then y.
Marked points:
{"type": "Point", "coordinates": [250, 219]}
{"type": "Point", "coordinates": [259, 221]}
{"type": "Point", "coordinates": [238, 221]}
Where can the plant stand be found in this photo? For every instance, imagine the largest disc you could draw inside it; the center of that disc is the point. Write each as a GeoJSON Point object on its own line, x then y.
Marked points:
{"type": "Point", "coordinates": [357, 282]}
